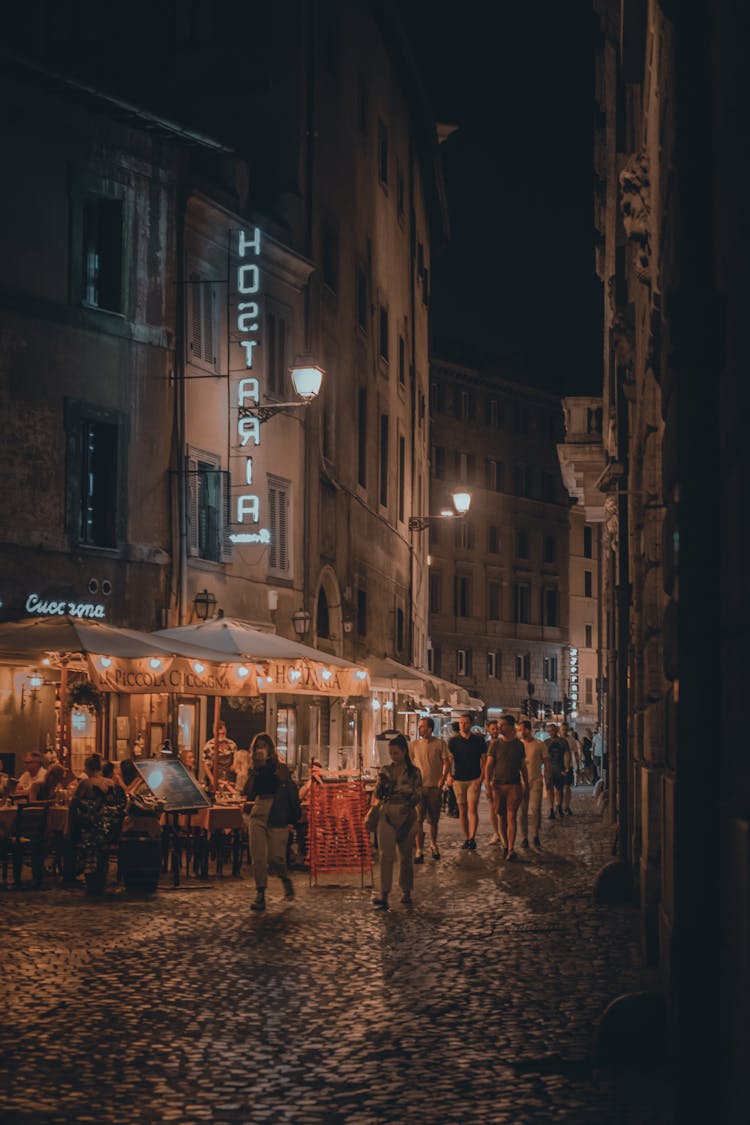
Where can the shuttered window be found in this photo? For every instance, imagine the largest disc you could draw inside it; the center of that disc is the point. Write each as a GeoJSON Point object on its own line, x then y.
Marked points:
{"type": "Point", "coordinates": [279, 526]}
{"type": "Point", "coordinates": [202, 311]}
{"type": "Point", "coordinates": [209, 508]}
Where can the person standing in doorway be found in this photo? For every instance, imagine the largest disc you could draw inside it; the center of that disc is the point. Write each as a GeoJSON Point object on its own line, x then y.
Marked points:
{"type": "Point", "coordinates": [468, 752]}
{"type": "Point", "coordinates": [507, 772]}
{"type": "Point", "coordinates": [276, 808]}
{"type": "Point", "coordinates": [430, 756]}
{"type": "Point", "coordinates": [531, 803]}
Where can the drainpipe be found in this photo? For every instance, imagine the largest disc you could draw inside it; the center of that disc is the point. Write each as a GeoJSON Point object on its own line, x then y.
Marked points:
{"type": "Point", "coordinates": [180, 413]}
{"type": "Point", "coordinates": [413, 392]}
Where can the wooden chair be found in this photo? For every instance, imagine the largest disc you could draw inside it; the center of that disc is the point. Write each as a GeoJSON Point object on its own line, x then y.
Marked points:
{"type": "Point", "coordinates": [28, 842]}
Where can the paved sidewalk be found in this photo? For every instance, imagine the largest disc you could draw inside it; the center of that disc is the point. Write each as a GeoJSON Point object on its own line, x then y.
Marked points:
{"type": "Point", "coordinates": [477, 1005]}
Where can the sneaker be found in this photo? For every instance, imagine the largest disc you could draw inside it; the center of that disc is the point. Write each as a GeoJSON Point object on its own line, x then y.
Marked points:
{"type": "Point", "coordinates": [537, 843]}
{"type": "Point", "coordinates": [472, 844]}
{"type": "Point", "coordinates": [505, 853]}
{"type": "Point", "coordinates": [494, 838]}
{"type": "Point", "coordinates": [524, 843]}
{"type": "Point", "coordinates": [466, 846]}
{"type": "Point", "coordinates": [288, 888]}
{"type": "Point", "coordinates": [260, 901]}
{"type": "Point", "coordinates": [419, 858]}
{"type": "Point", "coordinates": [380, 903]}
{"type": "Point", "coordinates": [435, 853]}
{"type": "Point", "coordinates": [510, 856]}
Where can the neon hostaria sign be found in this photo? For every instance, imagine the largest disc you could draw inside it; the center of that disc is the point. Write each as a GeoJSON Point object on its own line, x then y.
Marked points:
{"type": "Point", "coordinates": [247, 511]}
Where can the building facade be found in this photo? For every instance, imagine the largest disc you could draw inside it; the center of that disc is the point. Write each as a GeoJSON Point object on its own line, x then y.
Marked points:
{"type": "Point", "coordinates": [671, 239]}
{"type": "Point", "coordinates": [499, 578]}
{"type": "Point", "coordinates": [185, 251]}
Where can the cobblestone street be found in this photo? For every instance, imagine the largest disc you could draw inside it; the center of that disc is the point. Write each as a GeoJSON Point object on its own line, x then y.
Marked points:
{"type": "Point", "coordinates": [477, 1005]}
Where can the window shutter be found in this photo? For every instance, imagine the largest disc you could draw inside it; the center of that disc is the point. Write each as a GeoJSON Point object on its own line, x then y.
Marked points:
{"type": "Point", "coordinates": [273, 518]}
{"type": "Point", "coordinates": [282, 513]}
{"type": "Point", "coordinates": [196, 319]}
{"type": "Point", "coordinates": [193, 487]}
{"type": "Point", "coordinates": [226, 523]}
{"type": "Point", "coordinates": [209, 306]}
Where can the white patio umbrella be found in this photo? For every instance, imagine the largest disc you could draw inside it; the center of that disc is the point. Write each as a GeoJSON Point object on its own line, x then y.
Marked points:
{"type": "Point", "coordinates": [288, 665]}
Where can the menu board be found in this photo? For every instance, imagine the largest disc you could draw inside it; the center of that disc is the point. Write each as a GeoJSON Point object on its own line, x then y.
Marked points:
{"type": "Point", "coordinates": [169, 779]}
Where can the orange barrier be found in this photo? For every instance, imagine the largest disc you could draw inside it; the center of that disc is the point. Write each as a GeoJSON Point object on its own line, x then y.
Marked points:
{"type": "Point", "coordinates": [337, 839]}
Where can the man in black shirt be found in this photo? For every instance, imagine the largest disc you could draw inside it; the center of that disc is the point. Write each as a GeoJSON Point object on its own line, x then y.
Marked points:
{"type": "Point", "coordinates": [467, 753]}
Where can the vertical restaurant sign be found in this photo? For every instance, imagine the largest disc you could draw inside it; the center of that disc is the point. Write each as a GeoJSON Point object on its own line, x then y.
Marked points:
{"type": "Point", "coordinates": [246, 389]}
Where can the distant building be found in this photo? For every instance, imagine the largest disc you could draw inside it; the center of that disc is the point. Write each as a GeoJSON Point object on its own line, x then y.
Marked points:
{"type": "Point", "coordinates": [498, 578]}
{"type": "Point", "coordinates": [581, 462]}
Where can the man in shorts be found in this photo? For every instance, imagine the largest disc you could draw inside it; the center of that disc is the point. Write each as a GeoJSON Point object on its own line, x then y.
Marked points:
{"type": "Point", "coordinates": [467, 753]}
{"type": "Point", "coordinates": [430, 755]}
{"type": "Point", "coordinates": [531, 804]}
{"type": "Point", "coordinates": [493, 732]}
{"type": "Point", "coordinates": [507, 772]}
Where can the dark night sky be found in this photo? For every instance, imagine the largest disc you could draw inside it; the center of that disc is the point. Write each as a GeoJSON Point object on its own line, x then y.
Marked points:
{"type": "Point", "coordinates": [517, 280]}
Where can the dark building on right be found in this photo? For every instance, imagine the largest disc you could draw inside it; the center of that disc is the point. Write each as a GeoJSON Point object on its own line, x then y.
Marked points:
{"type": "Point", "coordinates": [671, 233]}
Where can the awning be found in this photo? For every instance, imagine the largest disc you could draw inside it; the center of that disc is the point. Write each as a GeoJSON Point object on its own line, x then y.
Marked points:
{"type": "Point", "coordinates": [389, 675]}
{"type": "Point", "coordinates": [281, 664]}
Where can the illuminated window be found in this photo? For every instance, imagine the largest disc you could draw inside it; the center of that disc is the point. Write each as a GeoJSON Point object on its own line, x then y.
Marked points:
{"type": "Point", "coordinates": [493, 666]}
{"type": "Point", "coordinates": [463, 662]}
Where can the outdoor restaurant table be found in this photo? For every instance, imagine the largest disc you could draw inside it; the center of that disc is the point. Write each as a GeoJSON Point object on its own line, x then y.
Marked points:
{"type": "Point", "coordinates": [211, 823]}
{"type": "Point", "coordinates": [57, 819]}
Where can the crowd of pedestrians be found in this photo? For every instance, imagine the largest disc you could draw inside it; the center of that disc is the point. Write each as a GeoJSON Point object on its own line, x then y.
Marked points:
{"type": "Point", "coordinates": [517, 766]}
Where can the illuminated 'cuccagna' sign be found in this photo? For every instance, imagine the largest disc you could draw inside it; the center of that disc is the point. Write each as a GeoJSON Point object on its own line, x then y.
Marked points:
{"type": "Point", "coordinates": [42, 607]}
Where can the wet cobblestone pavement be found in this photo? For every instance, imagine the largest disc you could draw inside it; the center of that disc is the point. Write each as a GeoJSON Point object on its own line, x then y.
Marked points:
{"type": "Point", "coordinates": [477, 1005]}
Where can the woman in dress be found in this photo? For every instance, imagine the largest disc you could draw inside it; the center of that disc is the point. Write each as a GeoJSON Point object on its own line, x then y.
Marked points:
{"type": "Point", "coordinates": [96, 814]}
{"type": "Point", "coordinates": [398, 791]}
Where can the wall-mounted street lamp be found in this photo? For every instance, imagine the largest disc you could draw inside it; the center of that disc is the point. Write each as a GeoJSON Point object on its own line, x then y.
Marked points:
{"type": "Point", "coordinates": [461, 504]}
{"type": "Point", "coordinates": [301, 622]}
{"type": "Point", "coordinates": [204, 604]}
{"type": "Point", "coordinates": [307, 379]}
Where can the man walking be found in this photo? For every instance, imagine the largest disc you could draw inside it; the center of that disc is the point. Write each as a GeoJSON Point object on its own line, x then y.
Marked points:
{"type": "Point", "coordinates": [467, 753]}
{"type": "Point", "coordinates": [493, 732]}
{"type": "Point", "coordinates": [430, 755]}
{"type": "Point", "coordinates": [531, 803]}
{"type": "Point", "coordinates": [555, 769]}
{"type": "Point", "coordinates": [507, 771]}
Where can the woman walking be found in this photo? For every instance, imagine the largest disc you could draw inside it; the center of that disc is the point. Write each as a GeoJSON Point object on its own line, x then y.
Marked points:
{"type": "Point", "coordinates": [398, 791]}
{"type": "Point", "coordinates": [276, 807]}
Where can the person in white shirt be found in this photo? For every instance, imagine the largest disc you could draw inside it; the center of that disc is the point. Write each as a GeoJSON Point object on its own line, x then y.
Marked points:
{"type": "Point", "coordinates": [431, 757]}
{"type": "Point", "coordinates": [531, 805]}
{"type": "Point", "coordinates": [35, 771]}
